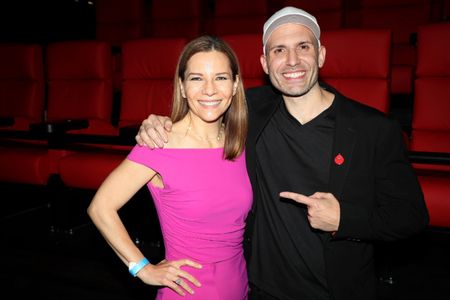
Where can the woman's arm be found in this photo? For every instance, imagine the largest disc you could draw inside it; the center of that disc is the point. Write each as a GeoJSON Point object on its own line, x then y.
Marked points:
{"type": "Point", "coordinates": [117, 189]}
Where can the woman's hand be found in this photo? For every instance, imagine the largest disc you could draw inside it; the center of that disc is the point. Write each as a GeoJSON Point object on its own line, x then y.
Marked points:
{"type": "Point", "coordinates": [169, 273]}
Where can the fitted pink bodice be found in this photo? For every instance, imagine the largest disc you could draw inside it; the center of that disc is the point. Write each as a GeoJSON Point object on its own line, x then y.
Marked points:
{"type": "Point", "coordinates": [203, 205]}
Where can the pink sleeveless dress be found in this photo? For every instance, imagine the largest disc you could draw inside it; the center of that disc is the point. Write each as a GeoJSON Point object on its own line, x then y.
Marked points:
{"type": "Point", "coordinates": [202, 210]}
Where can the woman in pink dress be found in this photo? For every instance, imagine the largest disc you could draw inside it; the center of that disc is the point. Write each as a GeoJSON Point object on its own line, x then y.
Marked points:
{"type": "Point", "coordinates": [199, 184]}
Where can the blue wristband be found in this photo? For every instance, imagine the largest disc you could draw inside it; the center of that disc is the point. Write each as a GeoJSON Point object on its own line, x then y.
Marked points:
{"type": "Point", "coordinates": [134, 270]}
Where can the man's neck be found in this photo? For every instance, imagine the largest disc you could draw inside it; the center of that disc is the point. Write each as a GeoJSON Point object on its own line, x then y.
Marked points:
{"type": "Point", "coordinates": [305, 108]}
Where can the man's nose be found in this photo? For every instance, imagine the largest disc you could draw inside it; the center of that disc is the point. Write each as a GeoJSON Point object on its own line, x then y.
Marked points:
{"type": "Point", "coordinates": [292, 58]}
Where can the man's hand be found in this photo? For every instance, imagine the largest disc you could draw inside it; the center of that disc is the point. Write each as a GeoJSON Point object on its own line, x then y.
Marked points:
{"type": "Point", "coordinates": [153, 131]}
{"type": "Point", "coordinates": [323, 209]}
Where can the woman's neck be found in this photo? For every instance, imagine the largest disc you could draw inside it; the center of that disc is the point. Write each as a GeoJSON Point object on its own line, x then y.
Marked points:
{"type": "Point", "coordinates": [190, 133]}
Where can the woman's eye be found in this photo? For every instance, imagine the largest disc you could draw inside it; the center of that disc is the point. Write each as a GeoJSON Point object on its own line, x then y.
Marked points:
{"type": "Point", "coordinates": [195, 79]}
{"type": "Point", "coordinates": [222, 78]}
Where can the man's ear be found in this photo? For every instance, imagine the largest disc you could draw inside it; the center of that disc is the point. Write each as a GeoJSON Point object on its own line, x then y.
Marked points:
{"type": "Point", "coordinates": [263, 61]}
{"type": "Point", "coordinates": [322, 54]}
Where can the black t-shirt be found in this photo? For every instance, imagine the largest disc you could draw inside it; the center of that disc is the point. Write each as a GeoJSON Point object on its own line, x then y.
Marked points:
{"type": "Point", "coordinates": [291, 157]}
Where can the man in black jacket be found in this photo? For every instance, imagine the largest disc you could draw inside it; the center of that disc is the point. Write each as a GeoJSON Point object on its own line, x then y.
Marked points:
{"type": "Point", "coordinates": [330, 175]}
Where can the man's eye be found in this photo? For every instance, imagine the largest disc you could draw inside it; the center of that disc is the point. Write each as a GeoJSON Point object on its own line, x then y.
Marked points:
{"type": "Point", "coordinates": [278, 50]}
{"type": "Point", "coordinates": [305, 47]}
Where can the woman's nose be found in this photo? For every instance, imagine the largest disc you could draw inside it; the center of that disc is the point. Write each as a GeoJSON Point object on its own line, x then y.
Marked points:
{"type": "Point", "coordinates": [209, 88]}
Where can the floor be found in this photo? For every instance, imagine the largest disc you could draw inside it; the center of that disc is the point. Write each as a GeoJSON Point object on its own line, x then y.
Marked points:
{"type": "Point", "coordinates": [40, 261]}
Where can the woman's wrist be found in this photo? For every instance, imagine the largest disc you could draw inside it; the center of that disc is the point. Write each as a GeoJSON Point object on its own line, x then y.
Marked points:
{"type": "Point", "coordinates": [134, 267]}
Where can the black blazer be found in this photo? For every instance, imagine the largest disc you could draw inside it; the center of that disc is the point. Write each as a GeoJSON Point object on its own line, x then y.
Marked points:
{"type": "Point", "coordinates": [379, 195]}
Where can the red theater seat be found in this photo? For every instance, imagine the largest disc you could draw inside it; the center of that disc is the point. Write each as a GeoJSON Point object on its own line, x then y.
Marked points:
{"type": "Point", "coordinates": [175, 18]}
{"type": "Point", "coordinates": [436, 190]}
{"type": "Point", "coordinates": [118, 20]}
{"type": "Point", "coordinates": [79, 104]}
{"type": "Point", "coordinates": [237, 17]}
{"type": "Point", "coordinates": [248, 48]}
{"type": "Point", "coordinates": [21, 85]}
{"type": "Point", "coordinates": [402, 17]}
{"type": "Point", "coordinates": [146, 88]}
{"type": "Point", "coordinates": [357, 64]}
{"type": "Point", "coordinates": [79, 79]}
{"type": "Point", "coordinates": [79, 89]}
{"type": "Point", "coordinates": [147, 79]}
{"type": "Point", "coordinates": [430, 119]}
{"type": "Point", "coordinates": [23, 159]}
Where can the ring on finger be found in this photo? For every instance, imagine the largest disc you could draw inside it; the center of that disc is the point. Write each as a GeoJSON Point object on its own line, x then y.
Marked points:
{"type": "Point", "coordinates": [178, 281]}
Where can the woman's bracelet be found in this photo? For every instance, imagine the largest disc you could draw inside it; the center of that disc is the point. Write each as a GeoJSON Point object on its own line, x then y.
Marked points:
{"type": "Point", "coordinates": [134, 268]}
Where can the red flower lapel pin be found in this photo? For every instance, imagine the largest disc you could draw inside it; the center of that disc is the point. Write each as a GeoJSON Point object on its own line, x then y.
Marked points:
{"type": "Point", "coordinates": [339, 159]}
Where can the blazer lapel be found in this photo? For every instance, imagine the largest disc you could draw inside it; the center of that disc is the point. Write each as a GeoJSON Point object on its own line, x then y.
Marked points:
{"type": "Point", "coordinates": [341, 156]}
{"type": "Point", "coordinates": [258, 118]}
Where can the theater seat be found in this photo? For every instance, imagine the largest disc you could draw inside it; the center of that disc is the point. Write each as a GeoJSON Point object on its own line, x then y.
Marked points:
{"type": "Point", "coordinates": [403, 19]}
{"type": "Point", "coordinates": [21, 85]}
{"type": "Point", "coordinates": [79, 79]}
{"type": "Point", "coordinates": [79, 103]}
{"type": "Point", "coordinates": [118, 20]}
{"type": "Point", "coordinates": [236, 17]}
{"type": "Point", "coordinates": [147, 83]}
{"type": "Point", "coordinates": [430, 119]}
{"type": "Point", "coordinates": [248, 49]}
{"type": "Point", "coordinates": [23, 159]}
{"type": "Point", "coordinates": [147, 80]}
{"type": "Point", "coordinates": [436, 190]}
{"type": "Point", "coordinates": [178, 18]}
{"type": "Point", "coordinates": [146, 88]}
{"type": "Point", "coordinates": [80, 88]}
{"type": "Point", "coordinates": [357, 64]}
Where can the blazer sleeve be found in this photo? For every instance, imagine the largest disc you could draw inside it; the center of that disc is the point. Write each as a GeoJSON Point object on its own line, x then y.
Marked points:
{"type": "Point", "coordinates": [397, 209]}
